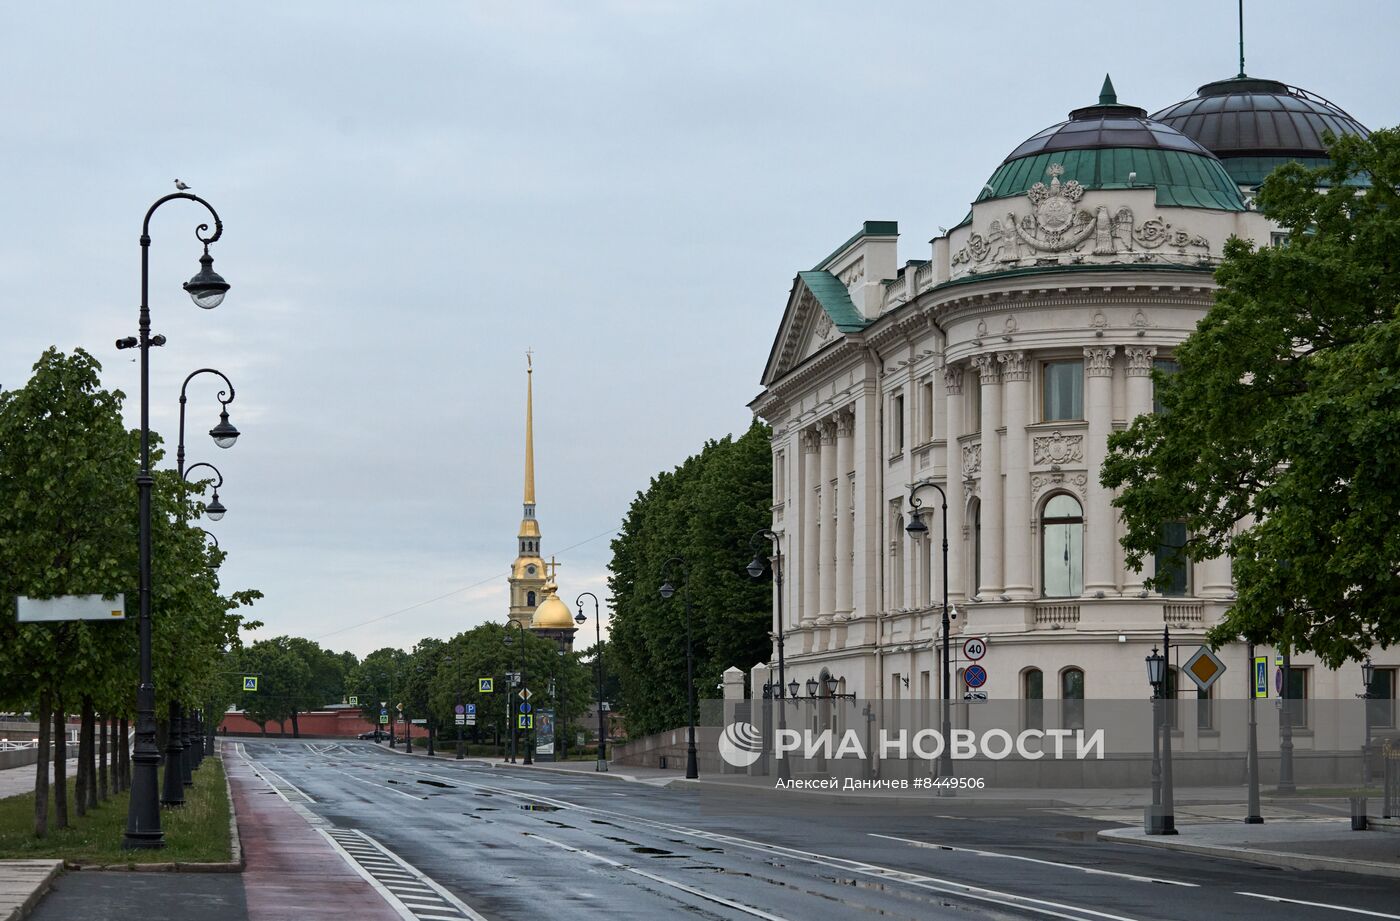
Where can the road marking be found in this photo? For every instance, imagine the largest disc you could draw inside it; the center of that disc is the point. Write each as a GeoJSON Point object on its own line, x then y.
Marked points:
{"type": "Point", "coordinates": [444, 895]}
{"type": "Point", "coordinates": [1049, 863]}
{"type": "Point", "coordinates": [1355, 911]}
{"type": "Point", "coordinates": [698, 893]}
{"type": "Point", "coordinates": [371, 783]}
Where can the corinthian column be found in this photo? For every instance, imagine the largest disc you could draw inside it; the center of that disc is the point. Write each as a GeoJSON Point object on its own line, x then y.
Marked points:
{"type": "Point", "coordinates": [1139, 404]}
{"type": "Point", "coordinates": [811, 513]}
{"type": "Point", "coordinates": [1016, 376]}
{"type": "Point", "coordinates": [989, 375]}
{"type": "Point", "coordinates": [827, 601]}
{"type": "Point", "coordinates": [952, 428]}
{"type": "Point", "coordinates": [845, 521]}
{"type": "Point", "coordinates": [1100, 547]}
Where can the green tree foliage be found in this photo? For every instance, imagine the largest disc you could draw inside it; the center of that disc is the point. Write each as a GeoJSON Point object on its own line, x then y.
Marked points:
{"type": "Point", "coordinates": [705, 510]}
{"type": "Point", "coordinates": [294, 675]}
{"type": "Point", "coordinates": [378, 678]}
{"type": "Point", "coordinates": [1280, 440]}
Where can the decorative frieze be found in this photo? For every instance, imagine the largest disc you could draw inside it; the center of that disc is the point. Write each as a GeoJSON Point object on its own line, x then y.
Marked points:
{"type": "Point", "coordinates": [1140, 360]}
{"type": "Point", "coordinates": [1058, 478]}
{"type": "Point", "coordinates": [1057, 448]}
{"type": "Point", "coordinates": [1098, 360]}
{"type": "Point", "coordinates": [1014, 366]}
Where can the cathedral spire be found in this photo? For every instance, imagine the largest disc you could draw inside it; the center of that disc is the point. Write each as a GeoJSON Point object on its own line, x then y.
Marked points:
{"type": "Point", "coordinates": [529, 429]}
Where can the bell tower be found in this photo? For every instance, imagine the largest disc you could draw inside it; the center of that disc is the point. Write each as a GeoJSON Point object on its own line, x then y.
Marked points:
{"type": "Point", "coordinates": [528, 574]}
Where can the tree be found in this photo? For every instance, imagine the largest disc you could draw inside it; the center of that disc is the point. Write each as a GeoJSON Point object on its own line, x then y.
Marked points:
{"type": "Point", "coordinates": [705, 510]}
{"type": "Point", "coordinates": [377, 679]}
{"type": "Point", "coordinates": [1279, 442]}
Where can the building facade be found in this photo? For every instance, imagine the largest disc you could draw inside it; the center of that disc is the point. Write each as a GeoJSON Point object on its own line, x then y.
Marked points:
{"type": "Point", "coordinates": [996, 366]}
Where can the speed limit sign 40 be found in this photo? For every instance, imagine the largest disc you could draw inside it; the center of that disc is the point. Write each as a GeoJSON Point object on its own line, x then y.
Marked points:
{"type": "Point", "coordinates": [974, 649]}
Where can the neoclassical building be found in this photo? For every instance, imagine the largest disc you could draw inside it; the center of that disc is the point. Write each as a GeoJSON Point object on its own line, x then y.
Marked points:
{"type": "Point", "coordinates": [996, 365]}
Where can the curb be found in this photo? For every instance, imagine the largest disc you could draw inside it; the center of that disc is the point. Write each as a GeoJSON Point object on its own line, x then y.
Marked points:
{"type": "Point", "coordinates": [1268, 858]}
{"type": "Point", "coordinates": [26, 906]}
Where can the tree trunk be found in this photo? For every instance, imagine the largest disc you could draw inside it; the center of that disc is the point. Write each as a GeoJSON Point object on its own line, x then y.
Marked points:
{"type": "Point", "coordinates": [102, 790]}
{"type": "Point", "coordinates": [41, 776]}
{"type": "Point", "coordinates": [90, 738]}
{"type": "Point", "coordinates": [80, 769]}
{"type": "Point", "coordinates": [60, 766]}
{"type": "Point", "coordinates": [296, 730]}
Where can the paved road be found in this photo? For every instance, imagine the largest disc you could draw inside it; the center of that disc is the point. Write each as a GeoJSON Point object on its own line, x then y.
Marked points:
{"type": "Point", "coordinates": [460, 840]}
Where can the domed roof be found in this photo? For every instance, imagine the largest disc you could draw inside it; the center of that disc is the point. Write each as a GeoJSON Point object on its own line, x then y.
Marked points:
{"type": "Point", "coordinates": [1114, 146]}
{"type": "Point", "coordinates": [552, 614]}
{"type": "Point", "coordinates": [1254, 125]}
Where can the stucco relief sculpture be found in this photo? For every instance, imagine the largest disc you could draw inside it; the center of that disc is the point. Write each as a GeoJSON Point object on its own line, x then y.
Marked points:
{"type": "Point", "coordinates": [1057, 224]}
{"type": "Point", "coordinates": [1074, 481]}
{"type": "Point", "coordinates": [1057, 448]}
{"type": "Point", "coordinates": [971, 460]}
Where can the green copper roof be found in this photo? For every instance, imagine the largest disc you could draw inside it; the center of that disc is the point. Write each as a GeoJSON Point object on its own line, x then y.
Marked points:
{"type": "Point", "coordinates": [1250, 171]}
{"type": "Point", "coordinates": [1108, 96]}
{"type": "Point", "coordinates": [831, 293]}
{"type": "Point", "coordinates": [1180, 178]}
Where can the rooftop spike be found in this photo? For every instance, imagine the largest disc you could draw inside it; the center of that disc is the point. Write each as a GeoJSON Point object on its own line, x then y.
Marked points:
{"type": "Point", "coordinates": [1107, 95]}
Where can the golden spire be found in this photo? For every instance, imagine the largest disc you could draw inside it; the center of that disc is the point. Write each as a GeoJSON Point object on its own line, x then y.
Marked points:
{"type": "Point", "coordinates": [529, 429]}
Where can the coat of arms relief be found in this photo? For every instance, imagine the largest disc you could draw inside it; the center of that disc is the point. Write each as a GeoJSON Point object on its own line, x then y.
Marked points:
{"type": "Point", "coordinates": [1058, 230]}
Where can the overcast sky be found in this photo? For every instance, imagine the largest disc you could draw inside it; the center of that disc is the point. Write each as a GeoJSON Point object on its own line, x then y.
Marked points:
{"type": "Point", "coordinates": [416, 193]}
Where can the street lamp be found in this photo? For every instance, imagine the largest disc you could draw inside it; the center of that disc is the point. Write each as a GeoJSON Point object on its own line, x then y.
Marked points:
{"type": "Point", "coordinates": [1368, 674]}
{"type": "Point", "coordinates": [459, 712]}
{"type": "Point", "coordinates": [917, 529]}
{"type": "Point", "coordinates": [755, 570]}
{"type": "Point", "coordinates": [514, 710]}
{"type": "Point", "coordinates": [214, 510]}
{"type": "Point", "coordinates": [692, 766]}
{"type": "Point", "coordinates": [811, 687]}
{"type": "Point", "coordinates": [579, 619]}
{"type": "Point", "coordinates": [1160, 821]}
{"type": "Point", "coordinates": [207, 290]}
{"type": "Point", "coordinates": [792, 689]}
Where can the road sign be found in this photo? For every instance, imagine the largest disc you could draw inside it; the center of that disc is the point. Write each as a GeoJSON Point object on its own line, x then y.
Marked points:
{"type": "Point", "coordinates": [354, 701]}
{"type": "Point", "coordinates": [527, 721]}
{"type": "Point", "coordinates": [460, 720]}
{"type": "Point", "coordinates": [975, 697]}
{"type": "Point", "coordinates": [974, 649]}
{"type": "Point", "coordinates": [459, 709]}
{"type": "Point", "coordinates": [471, 709]}
{"type": "Point", "coordinates": [525, 694]}
{"type": "Point", "coordinates": [471, 721]}
{"type": "Point", "coordinates": [384, 717]}
{"type": "Point", "coordinates": [1261, 676]}
{"type": "Point", "coordinates": [486, 685]}
{"type": "Point", "coordinates": [975, 676]}
{"type": "Point", "coordinates": [605, 706]}
{"type": "Point", "coordinates": [250, 682]}
{"type": "Point", "coordinates": [399, 706]}
{"type": "Point", "coordinates": [525, 707]}
{"type": "Point", "coordinates": [69, 607]}
{"type": "Point", "coordinates": [1204, 668]}
{"type": "Point", "coordinates": [422, 722]}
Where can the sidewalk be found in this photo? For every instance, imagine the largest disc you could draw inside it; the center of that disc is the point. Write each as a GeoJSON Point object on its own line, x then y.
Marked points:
{"type": "Point", "coordinates": [1308, 844]}
{"type": "Point", "coordinates": [17, 780]}
{"type": "Point", "coordinates": [23, 883]}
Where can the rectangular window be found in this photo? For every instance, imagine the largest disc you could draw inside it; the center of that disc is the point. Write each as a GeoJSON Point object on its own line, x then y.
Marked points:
{"type": "Point", "coordinates": [1162, 366]}
{"type": "Point", "coordinates": [1205, 710]}
{"type": "Point", "coordinates": [1381, 706]}
{"type": "Point", "coordinates": [973, 423]}
{"type": "Point", "coordinates": [897, 424]}
{"type": "Point", "coordinates": [926, 422]}
{"type": "Point", "coordinates": [1171, 561]}
{"type": "Point", "coordinates": [1297, 702]}
{"type": "Point", "coordinates": [1062, 391]}
{"type": "Point", "coordinates": [779, 477]}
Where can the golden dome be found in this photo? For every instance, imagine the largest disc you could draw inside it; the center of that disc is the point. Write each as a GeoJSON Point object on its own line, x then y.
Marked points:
{"type": "Point", "coordinates": [552, 614]}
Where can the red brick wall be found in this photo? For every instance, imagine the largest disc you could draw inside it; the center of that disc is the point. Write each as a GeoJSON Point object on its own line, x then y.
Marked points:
{"type": "Point", "coordinates": [329, 723]}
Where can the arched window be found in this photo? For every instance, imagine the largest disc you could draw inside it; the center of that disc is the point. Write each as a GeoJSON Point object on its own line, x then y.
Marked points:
{"type": "Point", "coordinates": [897, 565]}
{"type": "Point", "coordinates": [530, 599]}
{"type": "Point", "coordinates": [1062, 548]}
{"type": "Point", "coordinates": [1033, 698]}
{"type": "Point", "coordinates": [1072, 697]}
{"type": "Point", "coordinates": [975, 516]}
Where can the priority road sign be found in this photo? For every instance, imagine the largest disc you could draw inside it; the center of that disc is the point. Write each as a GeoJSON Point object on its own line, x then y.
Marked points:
{"type": "Point", "coordinates": [526, 721]}
{"type": "Point", "coordinates": [399, 706]}
{"type": "Point", "coordinates": [525, 694]}
{"type": "Point", "coordinates": [975, 676]}
{"type": "Point", "coordinates": [250, 682]}
{"type": "Point", "coordinates": [486, 685]}
{"type": "Point", "coordinates": [1204, 668]}
{"type": "Point", "coordinates": [974, 648]}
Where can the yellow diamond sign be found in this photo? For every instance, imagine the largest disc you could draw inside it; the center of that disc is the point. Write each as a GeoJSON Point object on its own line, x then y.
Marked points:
{"type": "Point", "coordinates": [1204, 668]}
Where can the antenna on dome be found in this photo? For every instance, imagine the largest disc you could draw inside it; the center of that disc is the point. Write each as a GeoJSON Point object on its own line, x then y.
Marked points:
{"type": "Point", "coordinates": [1241, 38]}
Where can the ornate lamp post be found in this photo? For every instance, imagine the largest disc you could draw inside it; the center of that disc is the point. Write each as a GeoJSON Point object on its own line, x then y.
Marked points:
{"type": "Point", "coordinates": [1161, 820]}
{"type": "Point", "coordinates": [1368, 675]}
{"type": "Point", "coordinates": [207, 290]}
{"type": "Point", "coordinates": [514, 709]}
{"type": "Point", "coordinates": [579, 619]}
{"type": "Point", "coordinates": [755, 570]}
{"type": "Point", "coordinates": [692, 766]}
{"type": "Point", "coordinates": [917, 529]}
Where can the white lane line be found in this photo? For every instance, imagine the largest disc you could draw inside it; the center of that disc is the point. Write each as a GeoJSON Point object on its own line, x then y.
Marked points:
{"type": "Point", "coordinates": [698, 893]}
{"type": "Point", "coordinates": [393, 900]}
{"type": "Point", "coordinates": [371, 783]}
{"type": "Point", "coordinates": [916, 880]}
{"type": "Point", "coordinates": [1354, 911]}
{"type": "Point", "coordinates": [447, 897]}
{"type": "Point", "coordinates": [1049, 863]}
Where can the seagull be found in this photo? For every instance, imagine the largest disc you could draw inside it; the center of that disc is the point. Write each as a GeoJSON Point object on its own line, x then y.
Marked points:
{"type": "Point", "coordinates": [180, 185]}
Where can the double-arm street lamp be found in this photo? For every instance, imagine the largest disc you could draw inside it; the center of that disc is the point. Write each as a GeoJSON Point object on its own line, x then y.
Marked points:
{"type": "Point", "coordinates": [579, 619]}
{"type": "Point", "coordinates": [755, 570]}
{"type": "Point", "coordinates": [514, 708]}
{"type": "Point", "coordinates": [207, 291]}
{"type": "Point", "coordinates": [917, 529]}
{"type": "Point", "coordinates": [692, 766]}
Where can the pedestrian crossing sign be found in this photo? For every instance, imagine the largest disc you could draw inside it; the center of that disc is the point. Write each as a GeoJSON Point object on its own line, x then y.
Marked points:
{"type": "Point", "coordinates": [250, 682]}
{"type": "Point", "coordinates": [354, 701]}
{"type": "Point", "coordinates": [383, 718]}
{"type": "Point", "coordinates": [486, 685]}
{"type": "Point", "coordinates": [527, 721]}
